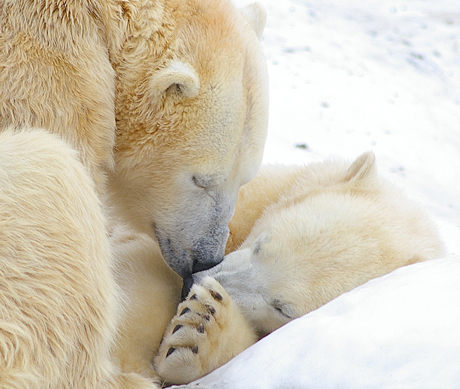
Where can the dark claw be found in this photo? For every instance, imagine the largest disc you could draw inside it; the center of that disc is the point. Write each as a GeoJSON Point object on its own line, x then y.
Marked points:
{"type": "Point", "coordinates": [211, 309]}
{"type": "Point", "coordinates": [194, 297]}
{"type": "Point", "coordinates": [184, 311]}
{"type": "Point", "coordinates": [170, 351]}
{"type": "Point", "coordinates": [200, 328]}
{"type": "Point", "coordinates": [216, 295]}
{"type": "Point", "coordinates": [206, 317]}
{"type": "Point", "coordinates": [195, 349]}
{"type": "Point", "coordinates": [177, 328]}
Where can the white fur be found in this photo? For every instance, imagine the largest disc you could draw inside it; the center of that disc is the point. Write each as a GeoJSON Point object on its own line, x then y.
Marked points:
{"type": "Point", "coordinates": [156, 98]}
{"type": "Point", "coordinates": [313, 233]}
{"type": "Point", "coordinates": [58, 300]}
{"type": "Point", "coordinates": [176, 73]}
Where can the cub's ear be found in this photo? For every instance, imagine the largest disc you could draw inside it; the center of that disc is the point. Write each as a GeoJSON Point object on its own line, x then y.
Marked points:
{"type": "Point", "coordinates": [177, 77]}
{"type": "Point", "coordinates": [362, 168]}
{"type": "Point", "coordinates": [256, 16]}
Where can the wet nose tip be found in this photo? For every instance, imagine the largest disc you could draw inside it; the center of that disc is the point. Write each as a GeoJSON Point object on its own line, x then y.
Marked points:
{"type": "Point", "coordinates": [186, 286]}
{"type": "Point", "coordinates": [196, 268]}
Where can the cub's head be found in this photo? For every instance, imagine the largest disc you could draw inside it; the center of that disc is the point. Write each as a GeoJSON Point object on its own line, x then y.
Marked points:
{"type": "Point", "coordinates": [191, 123]}
{"type": "Point", "coordinates": [334, 229]}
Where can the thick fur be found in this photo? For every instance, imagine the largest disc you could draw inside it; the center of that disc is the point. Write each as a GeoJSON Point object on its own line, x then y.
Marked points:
{"type": "Point", "coordinates": [56, 74]}
{"type": "Point", "coordinates": [151, 294]}
{"type": "Point", "coordinates": [183, 82]}
{"type": "Point", "coordinates": [305, 236]}
{"type": "Point", "coordinates": [166, 104]}
{"type": "Point", "coordinates": [191, 137]}
{"type": "Point", "coordinates": [58, 298]}
{"type": "Point", "coordinates": [191, 109]}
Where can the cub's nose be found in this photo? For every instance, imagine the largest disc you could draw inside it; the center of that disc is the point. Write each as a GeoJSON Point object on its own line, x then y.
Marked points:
{"type": "Point", "coordinates": [202, 266]}
{"type": "Point", "coordinates": [186, 286]}
{"type": "Point", "coordinates": [196, 268]}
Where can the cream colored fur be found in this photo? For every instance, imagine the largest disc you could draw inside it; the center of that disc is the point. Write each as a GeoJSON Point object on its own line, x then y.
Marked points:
{"type": "Point", "coordinates": [191, 109]}
{"type": "Point", "coordinates": [56, 74]}
{"type": "Point", "coordinates": [180, 163]}
{"type": "Point", "coordinates": [208, 330]}
{"type": "Point", "coordinates": [183, 81]}
{"type": "Point", "coordinates": [305, 236]}
{"type": "Point", "coordinates": [151, 291]}
{"type": "Point", "coordinates": [165, 104]}
{"type": "Point", "coordinates": [58, 298]}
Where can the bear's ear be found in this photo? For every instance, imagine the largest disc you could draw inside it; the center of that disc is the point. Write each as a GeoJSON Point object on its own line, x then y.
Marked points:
{"type": "Point", "coordinates": [362, 168]}
{"type": "Point", "coordinates": [177, 77]}
{"type": "Point", "coordinates": [256, 15]}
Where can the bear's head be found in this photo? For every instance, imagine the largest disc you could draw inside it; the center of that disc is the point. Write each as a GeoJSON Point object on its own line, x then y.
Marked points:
{"type": "Point", "coordinates": [334, 229]}
{"type": "Point", "coordinates": [191, 108]}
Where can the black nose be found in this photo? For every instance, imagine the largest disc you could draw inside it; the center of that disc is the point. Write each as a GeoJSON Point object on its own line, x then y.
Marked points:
{"type": "Point", "coordinates": [202, 266]}
{"type": "Point", "coordinates": [187, 285]}
{"type": "Point", "coordinates": [188, 280]}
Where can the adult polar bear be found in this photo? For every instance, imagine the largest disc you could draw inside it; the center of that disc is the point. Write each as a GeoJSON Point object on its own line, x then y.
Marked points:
{"type": "Point", "coordinates": [58, 301]}
{"type": "Point", "coordinates": [184, 83]}
{"type": "Point", "coordinates": [305, 235]}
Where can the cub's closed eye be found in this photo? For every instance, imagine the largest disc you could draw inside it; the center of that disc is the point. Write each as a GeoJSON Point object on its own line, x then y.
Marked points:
{"type": "Point", "coordinates": [282, 308]}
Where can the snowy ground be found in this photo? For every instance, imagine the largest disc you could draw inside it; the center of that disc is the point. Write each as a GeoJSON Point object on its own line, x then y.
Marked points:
{"type": "Point", "coordinates": [348, 76]}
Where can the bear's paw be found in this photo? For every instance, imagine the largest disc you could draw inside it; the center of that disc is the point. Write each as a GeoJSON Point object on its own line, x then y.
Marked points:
{"type": "Point", "coordinates": [207, 331]}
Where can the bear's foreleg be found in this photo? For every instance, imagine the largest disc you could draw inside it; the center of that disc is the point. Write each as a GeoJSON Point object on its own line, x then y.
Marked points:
{"type": "Point", "coordinates": [58, 299]}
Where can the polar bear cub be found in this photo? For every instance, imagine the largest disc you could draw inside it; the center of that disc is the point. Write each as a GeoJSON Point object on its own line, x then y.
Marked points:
{"type": "Point", "coordinates": [305, 236]}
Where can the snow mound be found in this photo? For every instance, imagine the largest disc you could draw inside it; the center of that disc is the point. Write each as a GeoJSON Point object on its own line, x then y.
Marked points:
{"type": "Point", "coordinates": [397, 331]}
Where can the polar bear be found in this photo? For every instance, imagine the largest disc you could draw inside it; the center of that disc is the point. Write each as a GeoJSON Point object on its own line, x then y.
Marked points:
{"type": "Point", "coordinates": [165, 104]}
{"type": "Point", "coordinates": [304, 235]}
{"type": "Point", "coordinates": [193, 114]}
{"type": "Point", "coordinates": [151, 292]}
{"type": "Point", "coordinates": [58, 298]}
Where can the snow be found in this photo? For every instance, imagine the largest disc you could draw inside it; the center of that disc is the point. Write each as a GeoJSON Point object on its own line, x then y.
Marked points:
{"type": "Point", "coordinates": [349, 76]}
{"type": "Point", "coordinates": [397, 331]}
